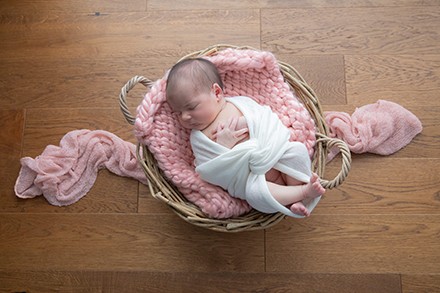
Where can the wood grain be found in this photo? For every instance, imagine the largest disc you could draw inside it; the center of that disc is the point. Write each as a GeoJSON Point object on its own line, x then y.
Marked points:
{"type": "Point", "coordinates": [378, 185]}
{"type": "Point", "coordinates": [325, 74]}
{"type": "Point", "coordinates": [11, 139]}
{"type": "Point", "coordinates": [351, 30]}
{"type": "Point", "coordinates": [144, 281]}
{"type": "Point", "coordinates": [149, 205]}
{"type": "Point", "coordinates": [124, 242]}
{"type": "Point", "coordinates": [81, 83]}
{"type": "Point", "coordinates": [231, 4]}
{"type": "Point", "coordinates": [11, 136]}
{"type": "Point", "coordinates": [48, 126]}
{"type": "Point", "coordinates": [355, 243]}
{"type": "Point", "coordinates": [408, 80]}
{"type": "Point", "coordinates": [124, 35]}
{"type": "Point", "coordinates": [420, 283]}
{"type": "Point", "coordinates": [38, 6]}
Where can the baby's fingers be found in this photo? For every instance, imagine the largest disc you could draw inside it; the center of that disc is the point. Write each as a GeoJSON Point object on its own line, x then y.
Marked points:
{"type": "Point", "coordinates": [233, 123]}
{"type": "Point", "coordinates": [219, 128]}
{"type": "Point", "coordinates": [241, 133]}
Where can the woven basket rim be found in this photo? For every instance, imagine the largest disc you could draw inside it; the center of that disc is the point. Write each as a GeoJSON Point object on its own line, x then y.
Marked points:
{"type": "Point", "coordinates": [163, 190]}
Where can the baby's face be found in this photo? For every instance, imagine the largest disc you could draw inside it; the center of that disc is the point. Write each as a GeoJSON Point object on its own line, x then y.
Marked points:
{"type": "Point", "coordinates": [196, 111]}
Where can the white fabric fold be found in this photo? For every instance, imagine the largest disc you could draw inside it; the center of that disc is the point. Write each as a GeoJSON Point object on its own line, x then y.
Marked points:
{"type": "Point", "coordinates": [241, 170]}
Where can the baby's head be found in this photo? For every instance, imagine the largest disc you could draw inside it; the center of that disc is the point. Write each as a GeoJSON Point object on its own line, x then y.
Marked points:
{"type": "Point", "coordinates": [190, 77]}
{"type": "Point", "coordinates": [195, 92]}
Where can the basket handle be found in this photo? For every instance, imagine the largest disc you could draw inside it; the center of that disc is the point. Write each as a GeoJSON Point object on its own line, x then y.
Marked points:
{"type": "Point", "coordinates": [346, 160]}
{"type": "Point", "coordinates": [124, 92]}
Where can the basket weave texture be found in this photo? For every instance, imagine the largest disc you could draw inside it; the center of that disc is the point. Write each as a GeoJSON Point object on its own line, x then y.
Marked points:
{"type": "Point", "coordinates": [162, 189]}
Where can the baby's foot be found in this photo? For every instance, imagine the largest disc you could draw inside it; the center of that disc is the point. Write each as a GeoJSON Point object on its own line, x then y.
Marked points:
{"type": "Point", "coordinates": [313, 188]}
{"type": "Point", "coordinates": [299, 209]}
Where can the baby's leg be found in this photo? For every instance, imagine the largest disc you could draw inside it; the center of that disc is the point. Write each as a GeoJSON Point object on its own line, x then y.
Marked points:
{"type": "Point", "coordinates": [275, 176]}
{"type": "Point", "coordinates": [290, 180]}
{"type": "Point", "coordinates": [287, 195]}
{"type": "Point", "coordinates": [300, 209]}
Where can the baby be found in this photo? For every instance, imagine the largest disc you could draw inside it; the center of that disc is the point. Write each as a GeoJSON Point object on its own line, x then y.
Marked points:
{"type": "Point", "coordinates": [241, 145]}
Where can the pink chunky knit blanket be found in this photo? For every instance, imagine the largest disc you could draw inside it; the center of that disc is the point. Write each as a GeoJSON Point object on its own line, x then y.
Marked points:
{"type": "Point", "coordinates": [251, 73]}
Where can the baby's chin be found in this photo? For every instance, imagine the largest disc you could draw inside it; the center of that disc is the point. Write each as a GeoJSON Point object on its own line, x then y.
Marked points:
{"type": "Point", "coordinates": [198, 127]}
{"type": "Point", "coordinates": [192, 126]}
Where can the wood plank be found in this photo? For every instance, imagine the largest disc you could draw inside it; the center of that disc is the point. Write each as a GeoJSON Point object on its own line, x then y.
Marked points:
{"type": "Point", "coordinates": [263, 282]}
{"type": "Point", "coordinates": [379, 186]}
{"type": "Point", "coordinates": [420, 283]}
{"type": "Point", "coordinates": [412, 80]}
{"type": "Point", "coordinates": [11, 139]}
{"type": "Point", "coordinates": [351, 30]}
{"type": "Point", "coordinates": [77, 83]}
{"type": "Point", "coordinates": [147, 204]}
{"type": "Point", "coordinates": [124, 242]}
{"type": "Point", "coordinates": [132, 35]}
{"type": "Point", "coordinates": [325, 74]}
{"type": "Point", "coordinates": [364, 244]}
{"type": "Point", "coordinates": [145, 281]}
{"type": "Point", "coordinates": [244, 4]}
{"type": "Point", "coordinates": [11, 136]}
{"type": "Point", "coordinates": [47, 126]}
{"type": "Point", "coordinates": [96, 83]}
{"type": "Point", "coordinates": [38, 6]}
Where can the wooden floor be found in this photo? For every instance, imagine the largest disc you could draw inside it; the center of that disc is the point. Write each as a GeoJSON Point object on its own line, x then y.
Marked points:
{"type": "Point", "coordinates": [62, 66]}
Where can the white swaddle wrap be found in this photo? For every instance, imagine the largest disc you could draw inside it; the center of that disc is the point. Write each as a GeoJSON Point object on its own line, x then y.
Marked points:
{"type": "Point", "coordinates": [241, 170]}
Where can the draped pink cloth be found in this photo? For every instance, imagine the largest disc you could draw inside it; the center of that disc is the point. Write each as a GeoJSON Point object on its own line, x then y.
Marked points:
{"type": "Point", "coordinates": [381, 128]}
{"type": "Point", "coordinates": [63, 174]}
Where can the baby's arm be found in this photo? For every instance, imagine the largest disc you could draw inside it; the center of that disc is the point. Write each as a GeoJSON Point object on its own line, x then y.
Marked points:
{"type": "Point", "coordinates": [232, 133]}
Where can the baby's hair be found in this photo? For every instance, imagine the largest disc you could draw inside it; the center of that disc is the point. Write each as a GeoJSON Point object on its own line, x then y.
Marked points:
{"type": "Point", "coordinates": [201, 73]}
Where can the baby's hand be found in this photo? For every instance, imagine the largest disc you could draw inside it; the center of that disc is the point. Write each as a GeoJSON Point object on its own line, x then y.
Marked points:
{"type": "Point", "coordinates": [228, 135]}
{"type": "Point", "coordinates": [241, 123]}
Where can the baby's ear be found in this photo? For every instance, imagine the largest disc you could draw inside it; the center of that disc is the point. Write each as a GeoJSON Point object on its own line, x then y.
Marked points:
{"type": "Point", "coordinates": [217, 90]}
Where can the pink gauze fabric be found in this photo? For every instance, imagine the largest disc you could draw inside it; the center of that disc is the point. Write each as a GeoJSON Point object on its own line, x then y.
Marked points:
{"type": "Point", "coordinates": [251, 73]}
{"type": "Point", "coordinates": [65, 173]}
{"type": "Point", "coordinates": [381, 128]}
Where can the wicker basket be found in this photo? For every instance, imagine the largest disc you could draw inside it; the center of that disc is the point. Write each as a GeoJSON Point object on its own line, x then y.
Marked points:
{"type": "Point", "coordinates": [163, 190]}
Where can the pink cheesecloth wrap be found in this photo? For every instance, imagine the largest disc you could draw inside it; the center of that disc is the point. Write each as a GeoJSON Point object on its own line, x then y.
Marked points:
{"type": "Point", "coordinates": [381, 128]}
{"type": "Point", "coordinates": [66, 173]}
